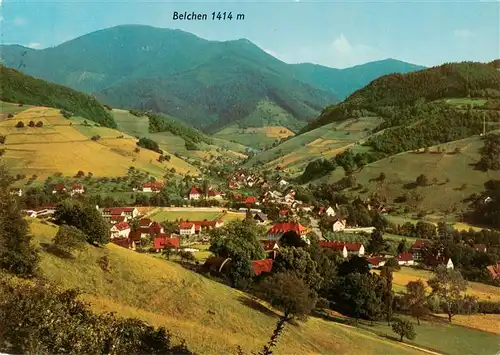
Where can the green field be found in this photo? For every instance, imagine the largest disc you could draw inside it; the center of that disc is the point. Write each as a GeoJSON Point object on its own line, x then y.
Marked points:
{"type": "Point", "coordinates": [212, 317]}
{"type": "Point", "coordinates": [326, 141]}
{"type": "Point", "coordinates": [178, 215]}
{"type": "Point", "coordinates": [254, 137]}
{"type": "Point", "coordinates": [8, 107]}
{"type": "Point", "coordinates": [455, 178]}
{"type": "Point", "coordinates": [441, 336]}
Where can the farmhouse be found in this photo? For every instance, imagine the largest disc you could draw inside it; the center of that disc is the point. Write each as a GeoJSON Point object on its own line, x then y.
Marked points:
{"type": "Point", "coordinates": [405, 258]}
{"type": "Point", "coordinates": [344, 247]}
{"type": "Point", "coordinates": [152, 187]}
{"type": "Point", "coordinates": [276, 231]}
{"type": "Point", "coordinates": [232, 184]}
{"type": "Point", "coordinates": [77, 189]}
{"type": "Point", "coordinates": [164, 240]}
{"type": "Point", "coordinates": [114, 212]}
{"type": "Point", "coordinates": [42, 211]}
{"type": "Point", "coordinates": [250, 200]}
{"type": "Point", "coordinates": [339, 225]}
{"type": "Point", "coordinates": [187, 228]}
{"type": "Point", "coordinates": [194, 193]}
{"type": "Point", "coordinates": [376, 261]}
{"type": "Point", "coordinates": [449, 264]}
{"type": "Point", "coordinates": [417, 249]}
{"type": "Point", "coordinates": [329, 211]}
{"type": "Point", "coordinates": [16, 191]}
{"type": "Point", "coordinates": [260, 217]}
{"type": "Point", "coordinates": [59, 188]}
{"type": "Point", "coordinates": [214, 195]}
{"type": "Point", "coordinates": [120, 230]}
{"type": "Point", "coordinates": [480, 247]}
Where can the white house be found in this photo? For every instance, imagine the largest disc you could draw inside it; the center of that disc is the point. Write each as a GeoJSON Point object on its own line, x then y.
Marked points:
{"type": "Point", "coordinates": [77, 189]}
{"type": "Point", "coordinates": [339, 225]}
{"type": "Point", "coordinates": [152, 187]}
{"type": "Point", "coordinates": [449, 264]}
{"type": "Point", "coordinates": [59, 188]}
{"type": "Point", "coordinates": [345, 248]}
{"type": "Point", "coordinates": [283, 182]}
{"type": "Point", "coordinates": [214, 195]}
{"type": "Point", "coordinates": [120, 230]}
{"type": "Point", "coordinates": [187, 228]}
{"type": "Point", "coordinates": [194, 194]}
{"type": "Point", "coordinates": [406, 258]}
{"type": "Point", "coordinates": [130, 212]}
{"type": "Point", "coordinates": [330, 212]}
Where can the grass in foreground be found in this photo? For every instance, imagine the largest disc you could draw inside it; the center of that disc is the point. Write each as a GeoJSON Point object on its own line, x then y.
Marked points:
{"type": "Point", "coordinates": [213, 318]}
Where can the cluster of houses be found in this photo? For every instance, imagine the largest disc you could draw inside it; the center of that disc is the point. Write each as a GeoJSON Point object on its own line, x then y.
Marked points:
{"type": "Point", "coordinates": [196, 194]}
{"type": "Point", "coordinates": [76, 189]}
{"type": "Point", "coordinates": [240, 180]}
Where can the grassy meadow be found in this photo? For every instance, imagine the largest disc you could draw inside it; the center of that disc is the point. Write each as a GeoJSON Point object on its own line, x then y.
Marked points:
{"type": "Point", "coordinates": [185, 215]}
{"type": "Point", "coordinates": [64, 145]}
{"type": "Point", "coordinates": [256, 137]}
{"type": "Point", "coordinates": [212, 317]}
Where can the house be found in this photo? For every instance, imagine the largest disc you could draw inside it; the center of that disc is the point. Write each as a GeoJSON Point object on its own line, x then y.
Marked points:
{"type": "Point", "coordinates": [417, 249]}
{"type": "Point", "coordinates": [480, 247]}
{"type": "Point", "coordinates": [58, 188]}
{"type": "Point", "coordinates": [250, 181]}
{"type": "Point", "coordinates": [163, 240]}
{"type": "Point", "coordinates": [77, 189]}
{"type": "Point", "coordinates": [120, 230]}
{"type": "Point", "coordinates": [152, 187]}
{"type": "Point", "coordinates": [16, 191]}
{"type": "Point", "coordinates": [290, 197]}
{"type": "Point", "coordinates": [449, 264]}
{"type": "Point", "coordinates": [187, 228]}
{"type": "Point", "coordinates": [260, 217]}
{"type": "Point", "coordinates": [129, 212]}
{"type": "Point", "coordinates": [282, 182]}
{"type": "Point", "coordinates": [250, 200]}
{"type": "Point", "coordinates": [214, 195]}
{"type": "Point", "coordinates": [494, 271]}
{"type": "Point", "coordinates": [376, 261]}
{"type": "Point", "coordinates": [118, 218]}
{"type": "Point", "coordinates": [271, 247]}
{"type": "Point", "coordinates": [330, 212]}
{"type": "Point", "coordinates": [405, 258]}
{"type": "Point", "coordinates": [488, 199]}
{"type": "Point", "coordinates": [262, 266]}
{"type": "Point", "coordinates": [344, 247]}
{"type": "Point", "coordinates": [42, 211]}
{"type": "Point", "coordinates": [339, 225]}
{"type": "Point", "coordinates": [233, 184]}
{"type": "Point", "coordinates": [276, 231]}
{"type": "Point", "coordinates": [306, 208]}
{"type": "Point", "coordinates": [125, 243]}
{"type": "Point", "coordinates": [194, 193]}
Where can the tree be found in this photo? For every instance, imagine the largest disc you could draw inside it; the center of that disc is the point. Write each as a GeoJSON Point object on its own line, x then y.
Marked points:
{"type": "Point", "coordinates": [377, 242]}
{"type": "Point", "coordinates": [17, 255]}
{"type": "Point", "coordinates": [69, 238]}
{"type": "Point", "coordinates": [39, 124]}
{"type": "Point", "coordinates": [415, 299]}
{"type": "Point", "coordinates": [355, 264]}
{"type": "Point", "coordinates": [299, 261]}
{"type": "Point", "coordinates": [241, 272]}
{"type": "Point", "coordinates": [388, 294]}
{"type": "Point", "coordinates": [403, 328]}
{"type": "Point", "coordinates": [31, 124]}
{"type": "Point", "coordinates": [490, 153]}
{"type": "Point", "coordinates": [291, 295]}
{"type": "Point", "coordinates": [422, 180]}
{"type": "Point", "coordinates": [292, 239]}
{"type": "Point", "coordinates": [393, 264]}
{"type": "Point", "coordinates": [20, 124]}
{"type": "Point", "coordinates": [402, 246]}
{"type": "Point", "coordinates": [237, 238]}
{"type": "Point", "coordinates": [84, 217]}
{"type": "Point", "coordinates": [448, 284]}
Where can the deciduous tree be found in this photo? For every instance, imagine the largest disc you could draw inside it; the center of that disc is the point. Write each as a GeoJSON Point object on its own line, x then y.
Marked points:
{"type": "Point", "coordinates": [403, 328]}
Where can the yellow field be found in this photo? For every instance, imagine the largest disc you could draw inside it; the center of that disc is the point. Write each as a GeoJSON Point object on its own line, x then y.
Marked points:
{"type": "Point", "coordinates": [407, 274]}
{"type": "Point", "coordinates": [213, 318]}
{"type": "Point", "coordinates": [320, 142]}
{"type": "Point", "coordinates": [272, 131]}
{"type": "Point", "coordinates": [485, 322]}
{"type": "Point", "coordinates": [59, 147]}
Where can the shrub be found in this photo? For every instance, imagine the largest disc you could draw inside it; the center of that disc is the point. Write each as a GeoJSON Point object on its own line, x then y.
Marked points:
{"type": "Point", "coordinates": [10, 115]}
{"type": "Point", "coordinates": [20, 124]}
{"type": "Point", "coordinates": [39, 124]}
{"type": "Point", "coordinates": [31, 124]}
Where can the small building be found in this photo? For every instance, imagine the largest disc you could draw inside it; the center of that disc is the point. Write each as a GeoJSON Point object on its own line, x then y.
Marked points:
{"type": "Point", "coordinates": [16, 191]}
{"type": "Point", "coordinates": [77, 189]}
{"type": "Point", "coordinates": [417, 250]}
{"type": "Point", "coordinates": [152, 187]}
{"type": "Point", "coordinates": [339, 225]}
{"type": "Point", "coordinates": [120, 230]}
{"type": "Point", "coordinates": [42, 211]}
{"type": "Point", "coordinates": [345, 248]}
{"type": "Point", "coordinates": [59, 188]}
{"type": "Point", "coordinates": [250, 200]}
{"type": "Point", "coordinates": [480, 247]}
{"type": "Point", "coordinates": [494, 271]}
{"type": "Point", "coordinates": [260, 218]}
{"type": "Point", "coordinates": [194, 193]}
{"type": "Point", "coordinates": [262, 266]}
{"type": "Point", "coordinates": [214, 195]}
{"type": "Point", "coordinates": [376, 261]}
{"type": "Point", "coordinates": [449, 264]}
{"type": "Point", "coordinates": [306, 208]}
{"type": "Point", "coordinates": [130, 212]}
{"type": "Point", "coordinates": [232, 184]}
{"type": "Point", "coordinates": [405, 258]}
{"type": "Point", "coordinates": [187, 228]}
{"type": "Point", "coordinates": [282, 182]}
{"type": "Point", "coordinates": [165, 240]}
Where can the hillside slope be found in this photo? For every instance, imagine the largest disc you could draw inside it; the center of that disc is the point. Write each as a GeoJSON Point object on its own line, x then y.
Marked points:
{"type": "Point", "coordinates": [65, 145]}
{"type": "Point", "coordinates": [20, 88]}
{"type": "Point", "coordinates": [212, 317]}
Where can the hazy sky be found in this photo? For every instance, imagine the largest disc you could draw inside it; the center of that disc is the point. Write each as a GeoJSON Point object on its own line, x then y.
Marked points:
{"type": "Point", "coordinates": [336, 34]}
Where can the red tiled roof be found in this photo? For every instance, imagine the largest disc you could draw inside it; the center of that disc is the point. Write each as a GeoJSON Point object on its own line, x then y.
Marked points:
{"type": "Point", "coordinates": [122, 226]}
{"type": "Point", "coordinates": [155, 228]}
{"type": "Point", "coordinates": [419, 244]}
{"type": "Point", "coordinates": [260, 266]}
{"type": "Point", "coordinates": [163, 239]}
{"type": "Point", "coordinates": [153, 185]}
{"type": "Point", "coordinates": [480, 247]}
{"type": "Point", "coordinates": [406, 256]}
{"type": "Point", "coordinates": [250, 200]}
{"type": "Point", "coordinates": [77, 187]}
{"type": "Point", "coordinates": [213, 193]}
{"type": "Point", "coordinates": [185, 225]}
{"type": "Point", "coordinates": [59, 187]}
{"type": "Point", "coordinates": [286, 227]}
{"type": "Point", "coordinates": [375, 260]}
{"type": "Point", "coordinates": [194, 191]}
{"type": "Point", "coordinates": [494, 270]}
{"type": "Point", "coordinates": [118, 218]}
{"type": "Point", "coordinates": [338, 245]}
{"type": "Point", "coordinates": [145, 222]}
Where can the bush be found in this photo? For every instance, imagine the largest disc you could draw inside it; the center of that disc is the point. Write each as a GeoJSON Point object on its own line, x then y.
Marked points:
{"type": "Point", "coordinates": [10, 115]}
{"type": "Point", "coordinates": [31, 124]}
{"type": "Point", "coordinates": [39, 124]}
{"type": "Point", "coordinates": [96, 138]}
{"type": "Point", "coordinates": [20, 124]}
{"type": "Point", "coordinates": [2, 139]}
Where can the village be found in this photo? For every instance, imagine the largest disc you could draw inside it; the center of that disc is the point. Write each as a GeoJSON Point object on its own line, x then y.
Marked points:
{"type": "Point", "coordinates": [142, 229]}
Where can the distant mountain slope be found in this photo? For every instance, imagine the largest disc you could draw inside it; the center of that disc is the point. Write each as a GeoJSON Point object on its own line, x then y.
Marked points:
{"type": "Point", "coordinates": [205, 83]}
{"type": "Point", "coordinates": [343, 82]}
{"type": "Point", "coordinates": [20, 88]}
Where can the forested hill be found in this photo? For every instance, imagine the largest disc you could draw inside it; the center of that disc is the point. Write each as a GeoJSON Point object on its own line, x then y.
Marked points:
{"type": "Point", "coordinates": [388, 94]}
{"type": "Point", "coordinates": [20, 88]}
